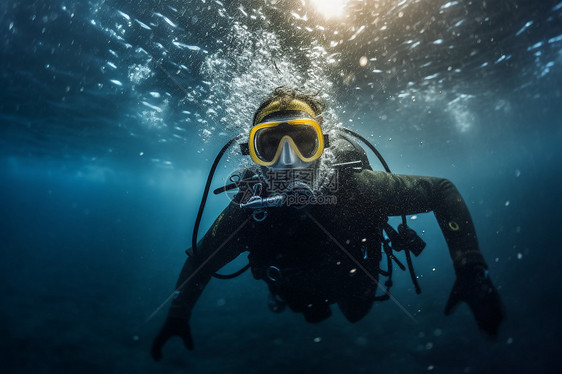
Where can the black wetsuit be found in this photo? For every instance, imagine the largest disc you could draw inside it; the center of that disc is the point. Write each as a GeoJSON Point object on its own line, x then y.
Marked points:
{"type": "Point", "coordinates": [303, 254]}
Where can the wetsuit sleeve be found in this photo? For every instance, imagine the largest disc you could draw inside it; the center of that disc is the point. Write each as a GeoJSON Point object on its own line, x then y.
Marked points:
{"type": "Point", "coordinates": [394, 195]}
{"type": "Point", "coordinates": [220, 245]}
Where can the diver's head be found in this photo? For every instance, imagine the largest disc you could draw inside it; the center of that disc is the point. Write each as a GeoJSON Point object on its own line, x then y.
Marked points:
{"type": "Point", "coordinates": [284, 99]}
{"type": "Point", "coordinates": [286, 131]}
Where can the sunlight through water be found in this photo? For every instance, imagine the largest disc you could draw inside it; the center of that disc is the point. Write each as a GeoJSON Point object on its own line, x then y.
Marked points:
{"type": "Point", "coordinates": [330, 8]}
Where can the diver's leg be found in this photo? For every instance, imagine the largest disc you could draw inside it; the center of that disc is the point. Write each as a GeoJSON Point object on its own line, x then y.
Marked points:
{"type": "Point", "coordinates": [313, 308]}
{"type": "Point", "coordinates": [356, 306]}
{"type": "Point", "coordinates": [317, 311]}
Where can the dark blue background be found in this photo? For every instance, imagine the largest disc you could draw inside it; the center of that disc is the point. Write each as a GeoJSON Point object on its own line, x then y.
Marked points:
{"type": "Point", "coordinates": [92, 232]}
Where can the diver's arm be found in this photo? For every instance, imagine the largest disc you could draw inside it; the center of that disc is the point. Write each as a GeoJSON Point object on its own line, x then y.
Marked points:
{"type": "Point", "coordinates": [401, 194]}
{"type": "Point", "coordinates": [220, 245]}
{"type": "Point", "coordinates": [395, 195]}
{"type": "Point", "coordinates": [216, 249]}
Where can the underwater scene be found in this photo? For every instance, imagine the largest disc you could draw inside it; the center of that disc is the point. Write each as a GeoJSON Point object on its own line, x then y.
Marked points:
{"type": "Point", "coordinates": [112, 113]}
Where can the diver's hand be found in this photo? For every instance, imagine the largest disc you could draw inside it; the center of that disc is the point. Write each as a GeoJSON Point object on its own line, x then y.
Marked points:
{"type": "Point", "coordinates": [473, 286]}
{"type": "Point", "coordinates": [172, 327]}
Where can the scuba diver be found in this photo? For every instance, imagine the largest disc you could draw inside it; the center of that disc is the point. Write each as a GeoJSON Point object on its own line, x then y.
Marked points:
{"type": "Point", "coordinates": [313, 215]}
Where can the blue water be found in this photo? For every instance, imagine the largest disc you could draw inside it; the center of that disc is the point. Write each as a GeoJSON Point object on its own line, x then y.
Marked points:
{"type": "Point", "coordinates": [111, 113]}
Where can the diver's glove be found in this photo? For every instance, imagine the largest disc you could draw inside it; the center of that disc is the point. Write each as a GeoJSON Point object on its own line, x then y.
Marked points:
{"type": "Point", "coordinates": [473, 286]}
{"type": "Point", "coordinates": [173, 326]}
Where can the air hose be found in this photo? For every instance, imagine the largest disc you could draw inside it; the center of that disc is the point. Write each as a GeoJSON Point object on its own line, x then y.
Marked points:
{"type": "Point", "coordinates": [202, 208]}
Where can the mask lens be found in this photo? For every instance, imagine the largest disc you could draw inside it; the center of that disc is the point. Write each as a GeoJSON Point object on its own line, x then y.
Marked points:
{"type": "Point", "coordinates": [306, 139]}
{"type": "Point", "coordinates": [266, 142]}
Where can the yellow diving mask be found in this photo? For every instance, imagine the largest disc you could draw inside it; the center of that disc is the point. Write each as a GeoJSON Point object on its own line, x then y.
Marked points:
{"type": "Point", "coordinates": [304, 136]}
